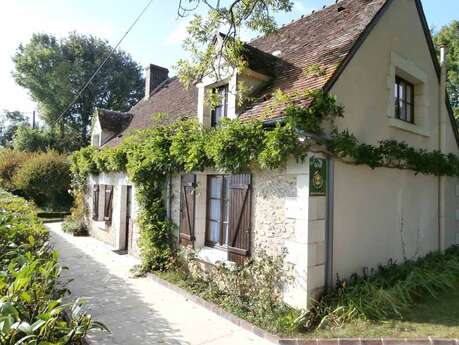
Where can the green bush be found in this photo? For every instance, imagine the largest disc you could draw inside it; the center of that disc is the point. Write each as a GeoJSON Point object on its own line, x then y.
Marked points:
{"type": "Point", "coordinates": [31, 308]}
{"type": "Point", "coordinates": [252, 290]}
{"type": "Point", "coordinates": [388, 293]}
{"type": "Point", "coordinates": [31, 140]}
{"type": "Point", "coordinates": [10, 162]}
{"type": "Point", "coordinates": [75, 227]}
{"type": "Point", "coordinates": [45, 178]}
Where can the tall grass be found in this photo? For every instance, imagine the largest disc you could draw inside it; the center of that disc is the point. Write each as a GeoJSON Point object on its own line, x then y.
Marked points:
{"type": "Point", "coordinates": [389, 292]}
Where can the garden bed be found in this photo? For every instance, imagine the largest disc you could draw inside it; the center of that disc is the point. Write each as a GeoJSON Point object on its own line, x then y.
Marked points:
{"type": "Point", "coordinates": [417, 299]}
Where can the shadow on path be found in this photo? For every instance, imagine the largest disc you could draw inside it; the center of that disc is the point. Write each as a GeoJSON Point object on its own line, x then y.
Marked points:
{"type": "Point", "coordinates": [112, 299]}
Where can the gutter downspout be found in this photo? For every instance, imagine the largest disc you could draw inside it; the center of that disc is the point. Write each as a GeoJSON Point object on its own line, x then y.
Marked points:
{"type": "Point", "coordinates": [329, 280]}
{"type": "Point", "coordinates": [442, 146]}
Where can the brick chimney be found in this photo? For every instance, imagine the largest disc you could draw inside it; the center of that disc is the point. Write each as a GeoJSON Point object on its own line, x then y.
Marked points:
{"type": "Point", "coordinates": [154, 76]}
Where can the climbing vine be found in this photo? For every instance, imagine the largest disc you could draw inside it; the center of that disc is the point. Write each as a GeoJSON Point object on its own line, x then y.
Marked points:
{"type": "Point", "coordinates": [150, 156]}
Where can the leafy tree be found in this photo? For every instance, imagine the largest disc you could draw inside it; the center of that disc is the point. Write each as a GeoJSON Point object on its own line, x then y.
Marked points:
{"type": "Point", "coordinates": [29, 139]}
{"type": "Point", "coordinates": [54, 71]}
{"type": "Point", "coordinates": [206, 49]}
{"type": "Point", "coordinates": [9, 123]}
{"type": "Point", "coordinates": [449, 36]}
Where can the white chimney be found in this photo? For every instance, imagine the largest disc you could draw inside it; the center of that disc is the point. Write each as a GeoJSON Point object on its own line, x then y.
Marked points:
{"type": "Point", "coordinates": [154, 76]}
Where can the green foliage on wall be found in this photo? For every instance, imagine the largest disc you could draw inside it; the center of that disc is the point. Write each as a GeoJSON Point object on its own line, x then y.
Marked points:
{"type": "Point", "coordinates": [150, 156]}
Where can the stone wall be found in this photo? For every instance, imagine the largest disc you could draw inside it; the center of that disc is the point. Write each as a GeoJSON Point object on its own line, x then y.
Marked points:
{"type": "Point", "coordinates": [280, 222]}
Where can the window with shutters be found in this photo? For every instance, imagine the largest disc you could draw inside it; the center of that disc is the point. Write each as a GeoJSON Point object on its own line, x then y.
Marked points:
{"type": "Point", "coordinates": [217, 210]}
{"type": "Point", "coordinates": [95, 202]}
{"type": "Point", "coordinates": [229, 214]}
{"type": "Point", "coordinates": [108, 208]}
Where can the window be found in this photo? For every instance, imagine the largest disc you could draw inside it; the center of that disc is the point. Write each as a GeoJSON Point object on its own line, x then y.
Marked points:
{"type": "Point", "coordinates": [404, 100]}
{"type": "Point", "coordinates": [217, 210]}
{"type": "Point", "coordinates": [221, 108]}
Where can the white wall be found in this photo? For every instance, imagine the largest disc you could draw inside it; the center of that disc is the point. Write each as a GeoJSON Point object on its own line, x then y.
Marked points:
{"type": "Point", "coordinates": [113, 235]}
{"type": "Point", "coordinates": [376, 211]}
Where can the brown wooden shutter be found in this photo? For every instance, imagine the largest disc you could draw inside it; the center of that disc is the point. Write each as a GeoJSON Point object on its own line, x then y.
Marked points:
{"type": "Point", "coordinates": [187, 210]}
{"type": "Point", "coordinates": [95, 202]}
{"type": "Point", "coordinates": [108, 203]}
{"type": "Point", "coordinates": [240, 217]}
{"type": "Point", "coordinates": [101, 208]}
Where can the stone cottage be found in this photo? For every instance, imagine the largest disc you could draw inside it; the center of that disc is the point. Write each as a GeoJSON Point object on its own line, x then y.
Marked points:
{"type": "Point", "coordinates": [333, 218]}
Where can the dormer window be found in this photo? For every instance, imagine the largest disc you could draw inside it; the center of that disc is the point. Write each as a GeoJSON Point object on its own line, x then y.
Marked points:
{"type": "Point", "coordinates": [220, 108]}
{"type": "Point", "coordinates": [404, 100]}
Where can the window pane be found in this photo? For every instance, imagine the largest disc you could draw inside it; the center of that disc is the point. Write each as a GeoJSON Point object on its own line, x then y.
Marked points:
{"type": "Point", "coordinates": [409, 93]}
{"type": "Point", "coordinates": [409, 113]}
{"type": "Point", "coordinates": [214, 231]}
{"type": "Point", "coordinates": [402, 110]}
{"type": "Point", "coordinates": [215, 209]}
{"type": "Point", "coordinates": [216, 186]}
{"type": "Point", "coordinates": [396, 90]}
{"type": "Point", "coordinates": [401, 91]}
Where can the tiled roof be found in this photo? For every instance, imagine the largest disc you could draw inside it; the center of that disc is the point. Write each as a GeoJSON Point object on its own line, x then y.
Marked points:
{"type": "Point", "coordinates": [171, 97]}
{"type": "Point", "coordinates": [113, 121]}
{"type": "Point", "coordinates": [323, 39]}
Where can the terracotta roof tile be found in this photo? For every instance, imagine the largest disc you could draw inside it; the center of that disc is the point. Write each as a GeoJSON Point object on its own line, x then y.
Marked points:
{"type": "Point", "coordinates": [170, 97]}
{"type": "Point", "coordinates": [323, 38]}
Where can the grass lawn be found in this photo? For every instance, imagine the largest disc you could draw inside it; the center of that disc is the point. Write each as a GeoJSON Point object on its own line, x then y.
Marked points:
{"type": "Point", "coordinates": [437, 318]}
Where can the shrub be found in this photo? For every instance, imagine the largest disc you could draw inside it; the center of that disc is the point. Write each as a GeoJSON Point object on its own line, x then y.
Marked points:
{"type": "Point", "coordinates": [75, 227]}
{"type": "Point", "coordinates": [46, 179]}
{"type": "Point", "coordinates": [252, 290]}
{"type": "Point", "coordinates": [31, 308]}
{"type": "Point", "coordinates": [10, 162]}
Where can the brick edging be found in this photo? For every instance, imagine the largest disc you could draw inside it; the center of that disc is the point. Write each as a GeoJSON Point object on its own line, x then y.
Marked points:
{"type": "Point", "coordinates": [374, 341]}
{"type": "Point", "coordinates": [217, 310]}
{"type": "Point", "coordinates": [277, 340]}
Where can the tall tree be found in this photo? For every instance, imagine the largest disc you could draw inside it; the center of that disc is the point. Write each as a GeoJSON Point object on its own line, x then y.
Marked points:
{"type": "Point", "coordinates": [207, 49]}
{"type": "Point", "coordinates": [449, 36]}
{"type": "Point", "coordinates": [10, 121]}
{"type": "Point", "coordinates": [55, 70]}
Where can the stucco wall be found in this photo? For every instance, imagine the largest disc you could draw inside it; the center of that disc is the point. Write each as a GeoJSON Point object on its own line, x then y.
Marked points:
{"type": "Point", "coordinates": [376, 211]}
{"type": "Point", "coordinates": [113, 235]}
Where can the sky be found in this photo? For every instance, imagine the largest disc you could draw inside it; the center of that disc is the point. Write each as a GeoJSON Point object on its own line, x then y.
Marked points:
{"type": "Point", "coordinates": [155, 39]}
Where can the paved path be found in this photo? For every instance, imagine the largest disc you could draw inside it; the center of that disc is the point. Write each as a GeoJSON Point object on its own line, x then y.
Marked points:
{"type": "Point", "coordinates": [138, 311]}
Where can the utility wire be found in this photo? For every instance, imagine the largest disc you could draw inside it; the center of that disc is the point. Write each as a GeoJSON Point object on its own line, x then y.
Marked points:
{"type": "Point", "coordinates": [80, 92]}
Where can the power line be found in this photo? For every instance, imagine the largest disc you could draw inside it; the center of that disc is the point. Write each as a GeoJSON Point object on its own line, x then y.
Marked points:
{"type": "Point", "coordinates": [80, 92]}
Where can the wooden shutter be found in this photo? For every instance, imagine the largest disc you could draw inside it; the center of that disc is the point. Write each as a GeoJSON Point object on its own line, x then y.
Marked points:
{"type": "Point", "coordinates": [239, 217]}
{"type": "Point", "coordinates": [95, 202]}
{"type": "Point", "coordinates": [187, 209]}
{"type": "Point", "coordinates": [108, 203]}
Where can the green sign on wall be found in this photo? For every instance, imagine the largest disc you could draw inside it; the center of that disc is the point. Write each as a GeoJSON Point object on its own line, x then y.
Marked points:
{"type": "Point", "coordinates": [317, 176]}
